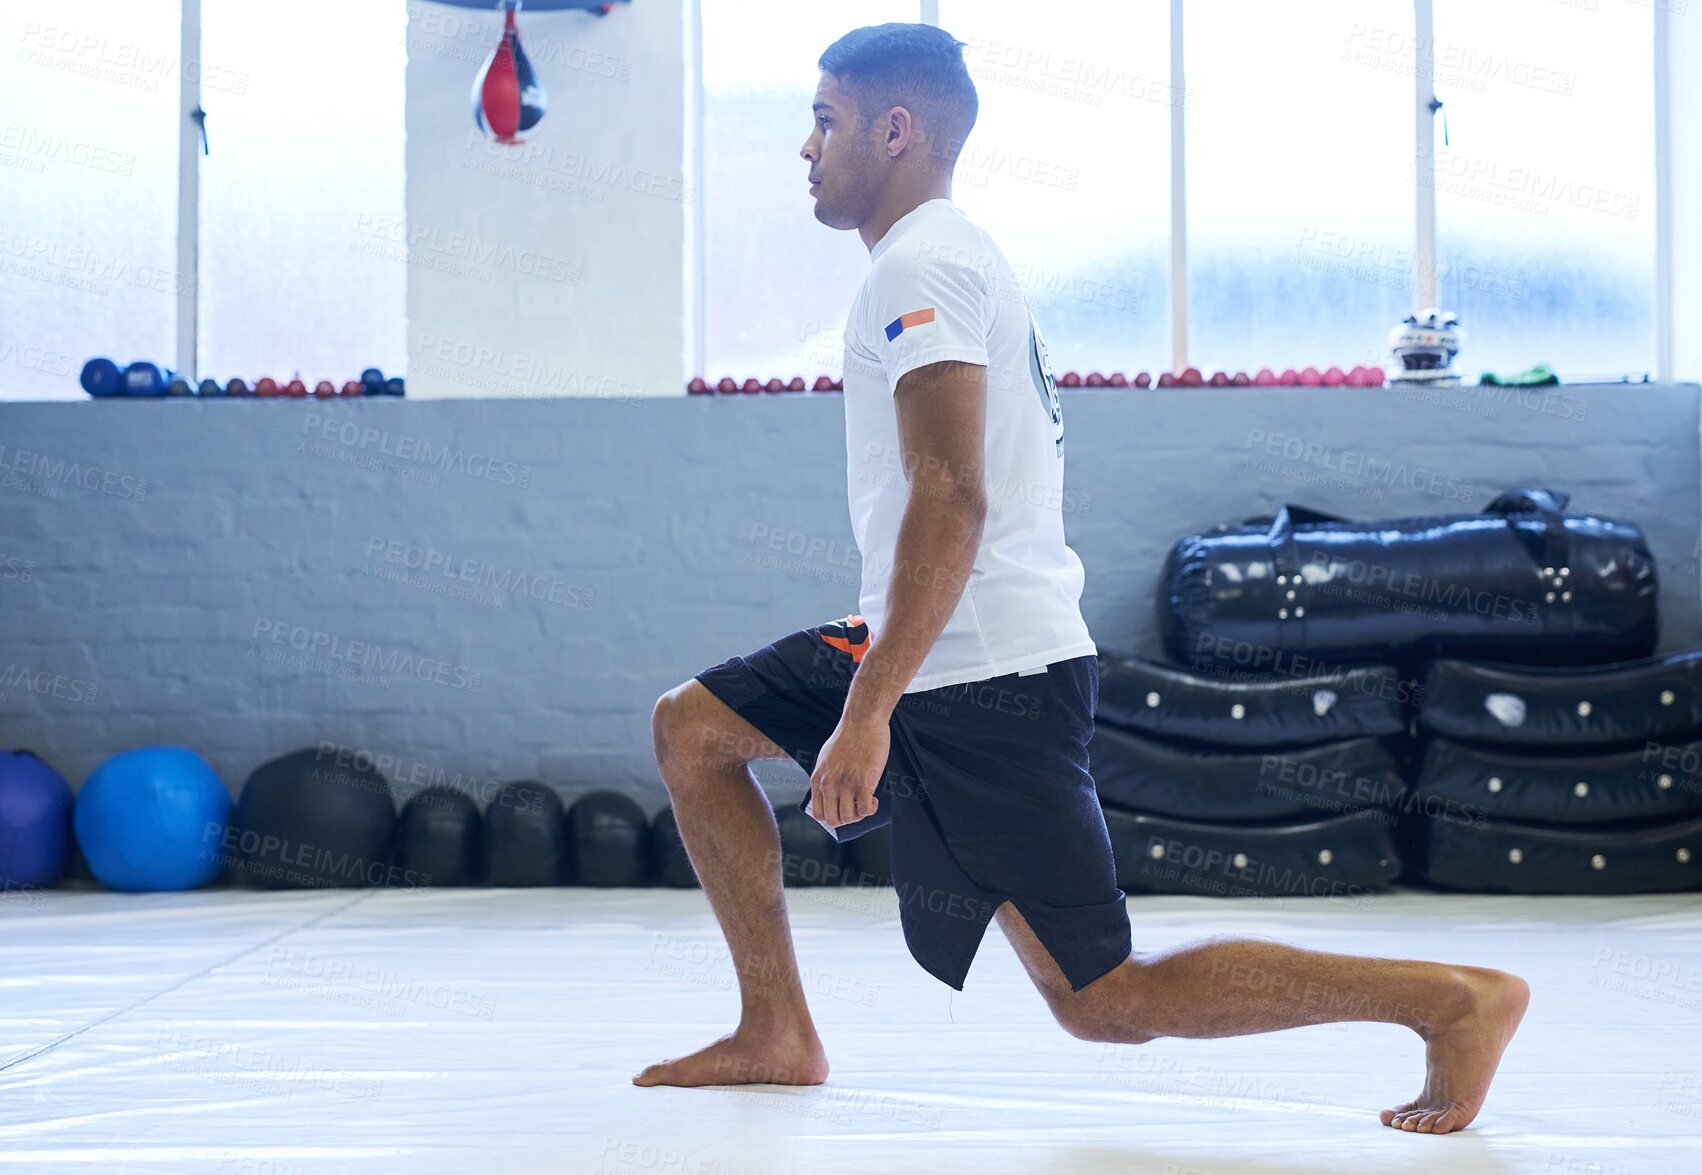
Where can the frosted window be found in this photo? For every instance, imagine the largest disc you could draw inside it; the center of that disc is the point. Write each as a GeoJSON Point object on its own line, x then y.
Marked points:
{"type": "Point", "coordinates": [1545, 194]}
{"type": "Point", "coordinates": [1068, 168]}
{"type": "Point", "coordinates": [778, 281]}
{"type": "Point", "coordinates": [88, 190]}
{"type": "Point", "coordinates": [303, 244]}
{"type": "Point", "coordinates": [1300, 161]}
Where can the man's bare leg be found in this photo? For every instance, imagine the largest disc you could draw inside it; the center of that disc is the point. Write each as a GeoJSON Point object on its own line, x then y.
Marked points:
{"type": "Point", "coordinates": [1238, 986]}
{"type": "Point", "coordinates": [703, 749]}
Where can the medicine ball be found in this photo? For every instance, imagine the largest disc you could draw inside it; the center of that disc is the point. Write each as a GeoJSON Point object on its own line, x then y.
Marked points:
{"type": "Point", "coordinates": [439, 839]}
{"type": "Point", "coordinates": [35, 822]}
{"type": "Point", "coordinates": [153, 819]}
{"type": "Point", "coordinates": [526, 836]}
{"type": "Point", "coordinates": [610, 839]}
{"type": "Point", "coordinates": [668, 852]}
{"type": "Point", "coordinates": [809, 856]}
{"type": "Point", "coordinates": [316, 819]}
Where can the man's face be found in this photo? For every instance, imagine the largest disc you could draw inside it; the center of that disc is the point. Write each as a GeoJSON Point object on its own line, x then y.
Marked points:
{"type": "Point", "coordinates": [847, 165]}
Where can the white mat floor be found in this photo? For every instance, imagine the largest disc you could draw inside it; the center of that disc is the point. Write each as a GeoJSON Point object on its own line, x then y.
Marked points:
{"type": "Point", "coordinates": [482, 1030]}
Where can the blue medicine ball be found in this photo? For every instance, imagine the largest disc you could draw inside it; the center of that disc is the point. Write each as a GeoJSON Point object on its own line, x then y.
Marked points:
{"type": "Point", "coordinates": [153, 819]}
{"type": "Point", "coordinates": [35, 822]}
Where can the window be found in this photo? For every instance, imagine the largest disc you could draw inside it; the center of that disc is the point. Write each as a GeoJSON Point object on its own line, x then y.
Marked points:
{"type": "Point", "coordinates": [1300, 160]}
{"type": "Point", "coordinates": [304, 250]}
{"type": "Point", "coordinates": [1068, 168]}
{"type": "Point", "coordinates": [88, 191]}
{"type": "Point", "coordinates": [1301, 197]}
{"type": "Point", "coordinates": [1545, 194]}
{"type": "Point", "coordinates": [779, 283]}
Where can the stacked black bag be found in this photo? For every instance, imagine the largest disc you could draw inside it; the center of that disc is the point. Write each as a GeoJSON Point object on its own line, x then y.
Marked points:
{"type": "Point", "coordinates": [1576, 781]}
{"type": "Point", "coordinates": [1566, 760]}
{"type": "Point", "coordinates": [1522, 581]}
{"type": "Point", "coordinates": [1270, 785]}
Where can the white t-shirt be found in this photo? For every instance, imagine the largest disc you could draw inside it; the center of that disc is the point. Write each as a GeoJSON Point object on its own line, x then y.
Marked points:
{"type": "Point", "coordinates": [939, 289]}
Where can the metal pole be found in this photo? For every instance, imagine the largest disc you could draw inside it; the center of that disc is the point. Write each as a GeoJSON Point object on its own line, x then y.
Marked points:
{"type": "Point", "coordinates": [1178, 195]}
{"type": "Point", "coordinates": [189, 140]}
{"type": "Point", "coordinates": [1664, 325]}
{"type": "Point", "coordinates": [1424, 291]}
{"type": "Point", "coordinates": [697, 220]}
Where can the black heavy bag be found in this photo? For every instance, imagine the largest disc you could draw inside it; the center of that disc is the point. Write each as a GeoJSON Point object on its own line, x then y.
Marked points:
{"type": "Point", "coordinates": [1601, 790]}
{"type": "Point", "coordinates": [1158, 778]}
{"type": "Point", "coordinates": [610, 839]}
{"type": "Point", "coordinates": [1500, 857]}
{"type": "Point", "coordinates": [1521, 582]}
{"type": "Point", "coordinates": [312, 819]}
{"type": "Point", "coordinates": [1658, 698]}
{"type": "Point", "coordinates": [1342, 857]}
{"type": "Point", "coordinates": [1249, 710]}
{"type": "Point", "coordinates": [526, 836]}
{"type": "Point", "coordinates": [439, 839]}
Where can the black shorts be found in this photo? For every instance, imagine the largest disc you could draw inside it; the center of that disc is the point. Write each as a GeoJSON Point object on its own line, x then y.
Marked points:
{"type": "Point", "coordinates": [987, 790]}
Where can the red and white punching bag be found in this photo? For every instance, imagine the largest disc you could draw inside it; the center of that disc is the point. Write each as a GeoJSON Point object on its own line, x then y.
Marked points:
{"type": "Point", "coordinates": [507, 96]}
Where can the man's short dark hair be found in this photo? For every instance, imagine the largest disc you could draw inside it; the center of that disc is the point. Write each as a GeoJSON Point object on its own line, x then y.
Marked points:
{"type": "Point", "coordinates": [916, 66]}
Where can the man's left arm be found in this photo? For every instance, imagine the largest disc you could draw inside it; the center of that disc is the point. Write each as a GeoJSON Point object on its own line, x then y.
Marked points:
{"type": "Point", "coordinates": [942, 418]}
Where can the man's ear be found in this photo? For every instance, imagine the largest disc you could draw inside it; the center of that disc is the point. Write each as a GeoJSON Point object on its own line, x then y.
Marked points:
{"type": "Point", "coordinates": [900, 129]}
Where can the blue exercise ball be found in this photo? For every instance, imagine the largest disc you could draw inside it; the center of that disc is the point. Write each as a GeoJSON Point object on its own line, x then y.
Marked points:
{"type": "Point", "coordinates": [153, 819]}
{"type": "Point", "coordinates": [35, 822]}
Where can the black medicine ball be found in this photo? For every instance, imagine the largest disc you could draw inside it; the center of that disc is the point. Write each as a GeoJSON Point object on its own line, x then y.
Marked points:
{"type": "Point", "coordinates": [440, 839]}
{"type": "Point", "coordinates": [526, 836]}
{"type": "Point", "coordinates": [610, 839]}
{"type": "Point", "coordinates": [315, 818]}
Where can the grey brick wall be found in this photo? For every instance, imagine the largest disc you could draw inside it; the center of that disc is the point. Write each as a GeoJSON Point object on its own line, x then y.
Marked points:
{"type": "Point", "coordinates": [478, 591]}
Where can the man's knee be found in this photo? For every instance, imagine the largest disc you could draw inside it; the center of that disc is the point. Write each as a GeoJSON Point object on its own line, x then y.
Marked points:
{"type": "Point", "coordinates": [672, 722]}
{"type": "Point", "coordinates": [1088, 1023]}
{"type": "Point", "coordinates": [1093, 1025]}
{"type": "Point", "coordinates": [684, 727]}
{"type": "Point", "coordinates": [1105, 1011]}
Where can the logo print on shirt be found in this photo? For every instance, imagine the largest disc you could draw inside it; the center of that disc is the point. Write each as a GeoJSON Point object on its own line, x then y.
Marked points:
{"type": "Point", "coordinates": [1040, 367]}
{"type": "Point", "coordinates": [915, 318]}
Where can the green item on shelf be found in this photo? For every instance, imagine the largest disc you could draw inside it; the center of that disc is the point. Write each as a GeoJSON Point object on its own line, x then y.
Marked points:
{"type": "Point", "coordinates": [1533, 377]}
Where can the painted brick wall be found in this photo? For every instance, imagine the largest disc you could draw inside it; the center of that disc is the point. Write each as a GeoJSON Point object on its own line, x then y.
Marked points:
{"type": "Point", "coordinates": [478, 591]}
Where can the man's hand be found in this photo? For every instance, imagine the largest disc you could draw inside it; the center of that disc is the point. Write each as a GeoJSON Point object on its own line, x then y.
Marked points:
{"type": "Point", "coordinates": [842, 787]}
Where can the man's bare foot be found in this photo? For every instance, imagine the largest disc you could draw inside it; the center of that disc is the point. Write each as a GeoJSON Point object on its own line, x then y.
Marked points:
{"type": "Point", "coordinates": [746, 1058]}
{"type": "Point", "coordinates": [1461, 1056]}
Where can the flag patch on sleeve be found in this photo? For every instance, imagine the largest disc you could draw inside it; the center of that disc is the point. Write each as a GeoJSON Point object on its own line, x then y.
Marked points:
{"type": "Point", "coordinates": [915, 318]}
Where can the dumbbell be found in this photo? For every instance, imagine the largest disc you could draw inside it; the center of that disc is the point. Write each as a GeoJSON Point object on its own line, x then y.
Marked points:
{"type": "Point", "coordinates": [142, 378]}
{"type": "Point", "coordinates": [102, 377]}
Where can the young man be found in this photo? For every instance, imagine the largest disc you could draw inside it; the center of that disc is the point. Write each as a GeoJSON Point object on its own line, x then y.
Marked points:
{"type": "Point", "coordinates": [959, 704]}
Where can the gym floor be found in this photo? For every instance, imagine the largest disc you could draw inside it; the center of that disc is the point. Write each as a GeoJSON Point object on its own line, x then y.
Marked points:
{"type": "Point", "coordinates": [457, 1030]}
